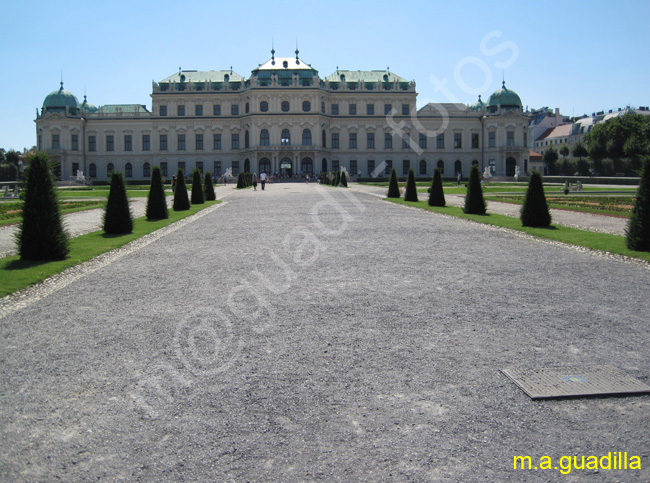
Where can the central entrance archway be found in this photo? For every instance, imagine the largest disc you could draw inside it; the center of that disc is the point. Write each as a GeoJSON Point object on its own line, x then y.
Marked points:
{"type": "Point", "coordinates": [307, 166]}
{"type": "Point", "coordinates": [265, 165]}
{"type": "Point", "coordinates": [510, 166]}
{"type": "Point", "coordinates": [286, 167]}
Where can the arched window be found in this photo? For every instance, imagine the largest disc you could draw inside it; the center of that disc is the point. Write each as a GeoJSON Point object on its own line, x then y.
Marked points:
{"type": "Point", "coordinates": [128, 170]}
{"type": "Point", "coordinates": [146, 170]}
{"type": "Point", "coordinates": [264, 106]}
{"type": "Point", "coordinates": [109, 169]}
{"type": "Point", "coordinates": [441, 166]}
{"type": "Point", "coordinates": [322, 107]}
{"type": "Point", "coordinates": [286, 138]}
{"type": "Point", "coordinates": [265, 165]}
{"type": "Point", "coordinates": [324, 139]}
{"type": "Point", "coordinates": [475, 163]}
{"type": "Point", "coordinates": [306, 106]}
{"type": "Point", "coordinates": [306, 137]}
{"type": "Point", "coordinates": [247, 108]}
{"type": "Point", "coordinates": [423, 167]}
{"type": "Point", "coordinates": [92, 170]}
{"type": "Point", "coordinates": [264, 137]}
{"type": "Point", "coordinates": [285, 106]}
{"type": "Point", "coordinates": [247, 140]}
{"type": "Point", "coordinates": [247, 166]}
{"type": "Point", "coordinates": [458, 167]}
{"type": "Point", "coordinates": [324, 166]}
{"type": "Point", "coordinates": [307, 166]}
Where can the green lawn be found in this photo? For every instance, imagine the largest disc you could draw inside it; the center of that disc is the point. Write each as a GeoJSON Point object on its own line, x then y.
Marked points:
{"type": "Point", "coordinates": [595, 241]}
{"type": "Point", "coordinates": [16, 274]}
{"type": "Point", "coordinates": [10, 212]}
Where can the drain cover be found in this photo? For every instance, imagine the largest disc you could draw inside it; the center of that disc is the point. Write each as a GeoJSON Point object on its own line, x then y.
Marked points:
{"type": "Point", "coordinates": [551, 382]}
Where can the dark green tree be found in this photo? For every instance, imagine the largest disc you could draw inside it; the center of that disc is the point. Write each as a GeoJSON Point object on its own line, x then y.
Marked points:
{"type": "Point", "coordinates": [344, 179]}
{"type": "Point", "coordinates": [41, 235]}
{"type": "Point", "coordinates": [181, 200]}
{"type": "Point", "coordinates": [579, 150]}
{"type": "Point", "coordinates": [157, 201]}
{"type": "Point", "coordinates": [436, 193]}
{"type": "Point", "coordinates": [638, 228]}
{"type": "Point", "coordinates": [208, 188]}
{"type": "Point", "coordinates": [411, 192]}
{"type": "Point", "coordinates": [117, 215]}
{"type": "Point", "coordinates": [240, 181]}
{"type": "Point", "coordinates": [534, 211]}
{"type": "Point", "coordinates": [393, 185]}
{"type": "Point", "coordinates": [337, 180]}
{"type": "Point", "coordinates": [197, 189]}
{"type": "Point", "coordinates": [550, 157]}
{"type": "Point", "coordinates": [474, 201]}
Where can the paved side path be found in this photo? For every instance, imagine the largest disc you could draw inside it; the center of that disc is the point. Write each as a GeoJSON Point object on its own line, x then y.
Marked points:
{"type": "Point", "coordinates": [312, 333]}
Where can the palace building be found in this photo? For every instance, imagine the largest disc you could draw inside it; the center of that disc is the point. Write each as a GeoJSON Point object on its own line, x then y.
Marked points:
{"type": "Point", "coordinates": [287, 119]}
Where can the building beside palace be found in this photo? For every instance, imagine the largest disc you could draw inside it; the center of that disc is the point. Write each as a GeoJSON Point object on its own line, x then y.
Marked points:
{"type": "Point", "coordinates": [287, 119]}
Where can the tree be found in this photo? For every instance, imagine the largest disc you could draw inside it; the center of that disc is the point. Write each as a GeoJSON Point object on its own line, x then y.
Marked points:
{"type": "Point", "coordinates": [337, 180]}
{"type": "Point", "coordinates": [197, 189]}
{"type": "Point", "coordinates": [411, 192]}
{"type": "Point", "coordinates": [344, 179]}
{"type": "Point", "coordinates": [564, 151]}
{"type": "Point", "coordinates": [393, 186]}
{"type": "Point", "coordinates": [241, 184]}
{"type": "Point", "coordinates": [638, 229]}
{"type": "Point", "coordinates": [208, 188]}
{"type": "Point", "coordinates": [181, 200]}
{"type": "Point", "coordinates": [474, 201]}
{"type": "Point", "coordinates": [534, 211]}
{"type": "Point", "coordinates": [579, 150]}
{"type": "Point", "coordinates": [41, 235]}
{"type": "Point", "coordinates": [157, 200]}
{"type": "Point", "coordinates": [550, 157]}
{"type": "Point", "coordinates": [436, 193]}
{"type": "Point", "coordinates": [117, 215]}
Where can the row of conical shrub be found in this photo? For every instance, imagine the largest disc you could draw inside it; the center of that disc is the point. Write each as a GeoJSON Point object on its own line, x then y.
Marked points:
{"type": "Point", "coordinates": [335, 178]}
{"type": "Point", "coordinates": [244, 180]}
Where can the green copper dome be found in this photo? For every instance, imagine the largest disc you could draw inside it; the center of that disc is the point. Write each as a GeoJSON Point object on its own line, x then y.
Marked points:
{"type": "Point", "coordinates": [59, 100]}
{"type": "Point", "coordinates": [87, 106]}
{"type": "Point", "coordinates": [478, 105]}
{"type": "Point", "coordinates": [505, 98]}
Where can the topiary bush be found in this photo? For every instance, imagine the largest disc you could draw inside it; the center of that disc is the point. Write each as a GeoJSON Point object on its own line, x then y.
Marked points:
{"type": "Point", "coordinates": [240, 181]}
{"type": "Point", "coordinates": [534, 211]}
{"type": "Point", "coordinates": [197, 189]}
{"type": "Point", "coordinates": [411, 192]}
{"type": "Point", "coordinates": [436, 193]}
{"type": "Point", "coordinates": [208, 188]}
{"type": "Point", "coordinates": [344, 179]}
{"type": "Point", "coordinates": [157, 200]}
{"type": "Point", "coordinates": [474, 201]}
{"type": "Point", "coordinates": [393, 186]}
{"type": "Point", "coordinates": [40, 234]}
{"type": "Point", "coordinates": [117, 215]}
{"type": "Point", "coordinates": [638, 229]}
{"type": "Point", "coordinates": [181, 200]}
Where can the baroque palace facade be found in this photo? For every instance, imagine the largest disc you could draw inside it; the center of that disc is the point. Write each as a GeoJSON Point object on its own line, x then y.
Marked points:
{"type": "Point", "coordinates": [283, 119]}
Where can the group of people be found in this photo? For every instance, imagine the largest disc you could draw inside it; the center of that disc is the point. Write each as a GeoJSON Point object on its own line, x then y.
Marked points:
{"type": "Point", "coordinates": [262, 180]}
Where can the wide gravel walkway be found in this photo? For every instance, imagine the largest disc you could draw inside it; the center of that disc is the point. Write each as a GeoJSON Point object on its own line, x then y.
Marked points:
{"type": "Point", "coordinates": [312, 333]}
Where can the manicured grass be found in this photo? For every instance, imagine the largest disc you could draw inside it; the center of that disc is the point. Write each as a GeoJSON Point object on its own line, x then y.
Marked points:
{"type": "Point", "coordinates": [103, 193]}
{"type": "Point", "coordinates": [619, 206]}
{"type": "Point", "coordinates": [7, 218]}
{"type": "Point", "coordinates": [595, 241]}
{"type": "Point", "coordinates": [16, 274]}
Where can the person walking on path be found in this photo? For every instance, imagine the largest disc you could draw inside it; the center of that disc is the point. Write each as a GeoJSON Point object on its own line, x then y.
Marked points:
{"type": "Point", "coordinates": [254, 178]}
{"type": "Point", "coordinates": [173, 185]}
{"type": "Point", "coordinates": [263, 179]}
{"type": "Point", "coordinates": [459, 178]}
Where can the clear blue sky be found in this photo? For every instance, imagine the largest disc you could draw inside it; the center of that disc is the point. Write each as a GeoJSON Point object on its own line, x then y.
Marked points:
{"type": "Point", "coordinates": [580, 56]}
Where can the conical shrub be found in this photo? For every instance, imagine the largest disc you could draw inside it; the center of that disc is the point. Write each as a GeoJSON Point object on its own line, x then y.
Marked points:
{"type": "Point", "coordinates": [393, 186]}
{"type": "Point", "coordinates": [117, 215]}
{"type": "Point", "coordinates": [41, 235]}
{"type": "Point", "coordinates": [638, 228]}
{"type": "Point", "coordinates": [474, 201]}
{"type": "Point", "coordinates": [240, 181]}
{"type": "Point", "coordinates": [208, 188]}
{"type": "Point", "coordinates": [534, 211]}
{"type": "Point", "coordinates": [411, 192]}
{"type": "Point", "coordinates": [337, 181]}
{"type": "Point", "coordinates": [157, 200]}
{"type": "Point", "coordinates": [181, 200]}
{"type": "Point", "coordinates": [344, 179]}
{"type": "Point", "coordinates": [197, 188]}
{"type": "Point", "coordinates": [436, 193]}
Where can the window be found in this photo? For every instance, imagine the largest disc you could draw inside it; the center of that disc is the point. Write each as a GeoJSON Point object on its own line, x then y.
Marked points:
{"type": "Point", "coordinates": [353, 140]}
{"type": "Point", "coordinates": [405, 140]}
{"type": "Point", "coordinates": [163, 142]}
{"type": "Point", "coordinates": [180, 109]}
{"type": "Point", "coordinates": [285, 106]}
{"type": "Point", "coordinates": [198, 110]}
{"type": "Point", "coordinates": [75, 142]}
{"type": "Point", "coordinates": [264, 106]}
{"type": "Point", "coordinates": [371, 166]}
{"type": "Point", "coordinates": [199, 166]}
{"type": "Point", "coordinates": [109, 169]}
{"type": "Point", "coordinates": [388, 141]}
{"type": "Point", "coordinates": [458, 141]}
{"type": "Point", "coordinates": [110, 143]}
{"type": "Point", "coordinates": [423, 167]}
{"type": "Point", "coordinates": [163, 168]}
{"type": "Point", "coordinates": [128, 170]}
{"type": "Point", "coordinates": [474, 140]}
{"type": "Point", "coordinates": [217, 168]}
{"type": "Point", "coordinates": [247, 108]}
{"type": "Point", "coordinates": [234, 110]}
{"type": "Point", "coordinates": [335, 140]}
{"type": "Point", "coordinates": [235, 167]}
{"type": "Point", "coordinates": [406, 165]}
{"type": "Point", "coordinates": [492, 163]}
{"type": "Point", "coordinates": [146, 170]}
{"type": "Point", "coordinates": [264, 137]}
{"type": "Point", "coordinates": [353, 167]}
{"type": "Point", "coordinates": [370, 109]}
{"type": "Point", "coordinates": [163, 110]}
{"type": "Point", "coordinates": [335, 109]}
{"type": "Point", "coordinates": [198, 142]}
{"type": "Point", "coordinates": [441, 166]}
{"type": "Point", "coordinates": [405, 109]}
{"type": "Point", "coordinates": [216, 109]}
{"type": "Point", "coordinates": [387, 108]}
{"type": "Point", "coordinates": [306, 137]}
{"type": "Point", "coordinates": [146, 142]}
{"type": "Point", "coordinates": [181, 166]}
{"type": "Point", "coordinates": [352, 109]}
{"type": "Point", "coordinates": [247, 144]}
{"type": "Point", "coordinates": [370, 140]}
{"type": "Point", "coordinates": [128, 142]}
{"type": "Point", "coordinates": [492, 139]}
{"type": "Point", "coordinates": [526, 139]}
{"type": "Point", "coordinates": [324, 138]}
{"type": "Point", "coordinates": [389, 167]}
{"type": "Point", "coordinates": [92, 143]}
{"type": "Point", "coordinates": [285, 138]}
{"type": "Point", "coordinates": [422, 140]}
{"type": "Point", "coordinates": [216, 141]}
{"type": "Point", "coordinates": [335, 165]}
{"type": "Point", "coordinates": [440, 141]}
{"type": "Point", "coordinates": [92, 170]}
{"type": "Point", "coordinates": [234, 141]}
{"type": "Point", "coordinates": [510, 138]}
{"type": "Point", "coordinates": [181, 142]}
{"type": "Point", "coordinates": [306, 106]}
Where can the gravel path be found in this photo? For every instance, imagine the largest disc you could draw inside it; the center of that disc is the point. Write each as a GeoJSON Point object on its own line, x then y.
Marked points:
{"type": "Point", "coordinates": [312, 333]}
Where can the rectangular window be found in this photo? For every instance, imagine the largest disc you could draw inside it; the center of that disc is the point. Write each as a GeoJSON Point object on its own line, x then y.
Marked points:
{"type": "Point", "coordinates": [163, 111]}
{"type": "Point", "coordinates": [199, 142]}
{"type": "Point", "coordinates": [335, 109]}
{"type": "Point", "coordinates": [216, 109]}
{"type": "Point", "coordinates": [352, 109]}
{"type": "Point", "coordinates": [56, 143]}
{"type": "Point", "coordinates": [181, 166]}
{"type": "Point", "coordinates": [371, 140]}
{"type": "Point", "coordinates": [199, 166]}
{"type": "Point", "coordinates": [92, 143]}
{"type": "Point", "coordinates": [128, 142]}
{"type": "Point", "coordinates": [387, 108]}
{"type": "Point", "coordinates": [406, 165]}
{"type": "Point", "coordinates": [422, 141]}
{"type": "Point", "coordinates": [163, 168]}
{"type": "Point", "coordinates": [405, 109]}
{"type": "Point", "coordinates": [492, 139]}
{"type": "Point", "coordinates": [510, 139]}
{"type": "Point", "coordinates": [180, 109]}
{"type": "Point", "coordinates": [458, 140]}
{"type": "Point", "coordinates": [353, 167]}
{"type": "Point", "coordinates": [335, 165]}
{"type": "Point", "coordinates": [198, 110]}
{"type": "Point", "coordinates": [181, 142]}
{"type": "Point", "coordinates": [371, 166]}
{"type": "Point", "coordinates": [440, 141]}
{"type": "Point", "coordinates": [146, 142]}
{"type": "Point", "coordinates": [234, 142]}
{"type": "Point", "coordinates": [525, 139]}
{"type": "Point", "coordinates": [388, 141]}
{"type": "Point", "coordinates": [493, 165]}
{"type": "Point", "coordinates": [217, 168]}
{"type": "Point", "coordinates": [405, 141]}
{"type": "Point", "coordinates": [216, 141]}
{"type": "Point", "coordinates": [75, 142]}
{"type": "Point", "coordinates": [235, 168]}
{"type": "Point", "coordinates": [234, 110]}
{"type": "Point", "coordinates": [163, 142]}
{"type": "Point", "coordinates": [389, 167]}
{"type": "Point", "coordinates": [353, 140]}
{"type": "Point", "coordinates": [335, 140]}
{"type": "Point", "coordinates": [110, 143]}
{"type": "Point", "coordinates": [474, 140]}
{"type": "Point", "coordinates": [370, 109]}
